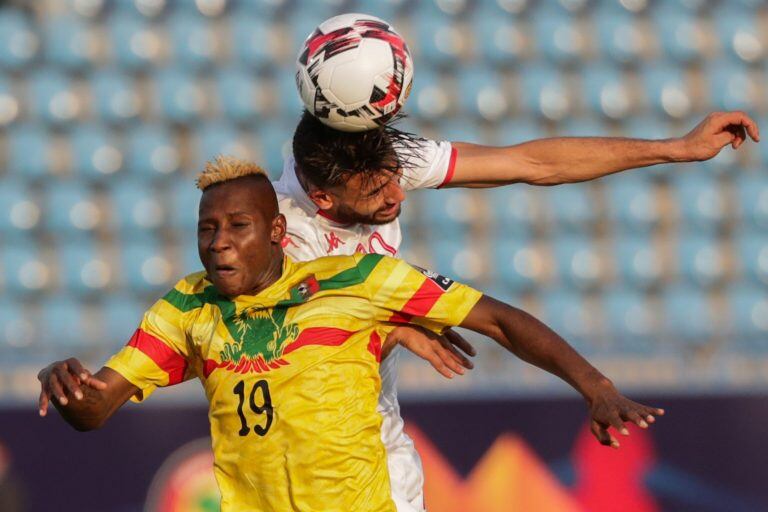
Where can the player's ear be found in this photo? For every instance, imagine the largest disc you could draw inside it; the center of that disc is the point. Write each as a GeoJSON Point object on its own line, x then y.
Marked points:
{"type": "Point", "coordinates": [321, 198]}
{"type": "Point", "coordinates": [278, 229]}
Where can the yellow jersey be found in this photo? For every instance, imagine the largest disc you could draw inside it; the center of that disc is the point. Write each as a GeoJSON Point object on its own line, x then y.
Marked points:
{"type": "Point", "coordinates": [291, 374]}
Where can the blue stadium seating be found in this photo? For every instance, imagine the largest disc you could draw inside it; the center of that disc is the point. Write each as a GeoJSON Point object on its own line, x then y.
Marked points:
{"type": "Point", "coordinates": [606, 91]}
{"type": "Point", "coordinates": [71, 209]}
{"type": "Point", "coordinates": [667, 90]}
{"type": "Point", "coordinates": [71, 43]}
{"type": "Point", "coordinates": [739, 34]}
{"type": "Point", "coordinates": [482, 93]}
{"type": "Point", "coordinates": [431, 97]}
{"type": "Point", "coordinates": [152, 152]}
{"type": "Point", "coordinates": [83, 269]}
{"type": "Point", "coordinates": [20, 210]}
{"type": "Point", "coordinates": [701, 200]}
{"type": "Point", "coordinates": [632, 202]}
{"type": "Point", "coordinates": [580, 263]}
{"type": "Point", "coordinates": [195, 41]}
{"type": "Point", "coordinates": [440, 40]}
{"type": "Point", "coordinates": [572, 208]}
{"type": "Point", "coordinates": [517, 210]}
{"type": "Point", "coordinates": [213, 139]}
{"type": "Point", "coordinates": [268, 9]}
{"type": "Point", "coordinates": [586, 126]}
{"type": "Point", "coordinates": [457, 258]}
{"type": "Point", "coordinates": [25, 271]}
{"type": "Point", "coordinates": [290, 104]}
{"type": "Point", "coordinates": [631, 321]}
{"type": "Point", "coordinates": [95, 152]}
{"type": "Point", "coordinates": [19, 336]}
{"type": "Point", "coordinates": [184, 202]}
{"type": "Point", "coordinates": [66, 326]}
{"type": "Point", "coordinates": [146, 8]}
{"type": "Point", "coordinates": [300, 30]}
{"type": "Point", "coordinates": [252, 41]}
{"type": "Point", "coordinates": [29, 151]}
{"type": "Point", "coordinates": [688, 319]}
{"type": "Point", "coordinates": [702, 260]}
{"type": "Point", "coordinates": [500, 40]}
{"type": "Point", "coordinates": [117, 100]}
{"type": "Point", "coordinates": [136, 44]}
{"type": "Point", "coordinates": [121, 314]}
{"type": "Point", "coordinates": [516, 130]}
{"type": "Point", "coordinates": [748, 316]}
{"type": "Point", "coordinates": [619, 35]}
{"type": "Point", "coordinates": [384, 9]}
{"type": "Point", "coordinates": [683, 38]}
{"type": "Point", "coordinates": [181, 96]}
{"type": "Point", "coordinates": [752, 250]}
{"type": "Point", "coordinates": [137, 208]}
{"type": "Point", "coordinates": [545, 92]}
{"type": "Point", "coordinates": [54, 100]}
{"type": "Point", "coordinates": [568, 313]}
{"type": "Point", "coordinates": [464, 130]}
{"type": "Point", "coordinates": [240, 95]}
{"type": "Point", "coordinates": [638, 261]}
{"type": "Point", "coordinates": [558, 37]}
{"type": "Point", "coordinates": [752, 199]}
{"type": "Point", "coordinates": [19, 42]}
{"type": "Point", "coordinates": [146, 267]}
{"type": "Point", "coordinates": [519, 263]}
{"type": "Point", "coordinates": [451, 210]}
{"type": "Point", "coordinates": [732, 86]}
{"type": "Point", "coordinates": [10, 103]}
{"type": "Point", "coordinates": [275, 140]}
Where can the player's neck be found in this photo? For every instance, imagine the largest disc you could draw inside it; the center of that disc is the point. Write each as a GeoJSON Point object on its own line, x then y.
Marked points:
{"type": "Point", "coordinates": [272, 273]}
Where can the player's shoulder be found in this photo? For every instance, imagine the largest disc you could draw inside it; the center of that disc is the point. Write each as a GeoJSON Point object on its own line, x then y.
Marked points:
{"type": "Point", "coordinates": [352, 265]}
{"type": "Point", "coordinates": [187, 292]}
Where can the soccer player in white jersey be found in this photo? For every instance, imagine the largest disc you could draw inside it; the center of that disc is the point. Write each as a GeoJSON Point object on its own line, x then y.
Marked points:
{"type": "Point", "coordinates": [341, 193]}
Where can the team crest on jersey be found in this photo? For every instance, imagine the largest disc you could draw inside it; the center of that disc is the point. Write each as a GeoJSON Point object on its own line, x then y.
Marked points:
{"type": "Point", "coordinates": [441, 281]}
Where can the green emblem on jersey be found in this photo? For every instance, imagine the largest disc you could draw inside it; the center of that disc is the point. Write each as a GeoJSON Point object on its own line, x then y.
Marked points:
{"type": "Point", "coordinates": [258, 333]}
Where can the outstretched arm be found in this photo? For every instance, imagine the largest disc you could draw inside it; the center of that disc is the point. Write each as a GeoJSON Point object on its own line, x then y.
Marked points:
{"type": "Point", "coordinates": [537, 344]}
{"type": "Point", "coordinates": [84, 400]}
{"type": "Point", "coordinates": [574, 159]}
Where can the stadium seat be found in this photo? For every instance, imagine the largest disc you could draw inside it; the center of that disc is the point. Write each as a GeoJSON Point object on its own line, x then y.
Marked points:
{"type": "Point", "coordinates": [152, 152]}
{"type": "Point", "coordinates": [136, 44]}
{"type": "Point", "coordinates": [146, 8]}
{"type": "Point", "coordinates": [702, 260]}
{"type": "Point", "coordinates": [10, 104]}
{"type": "Point", "coordinates": [215, 138]}
{"type": "Point", "coordinates": [606, 92]}
{"type": "Point", "coordinates": [568, 313]}
{"type": "Point", "coordinates": [71, 209]}
{"type": "Point", "coordinates": [207, 8]}
{"type": "Point", "coordinates": [458, 259]}
{"type": "Point", "coordinates": [146, 268]}
{"type": "Point", "coordinates": [432, 97]}
{"type": "Point", "coordinates": [515, 130]}
{"type": "Point", "coordinates": [579, 262]}
{"type": "Point", "coordinates": [290, 103]}
{"type": "Point", "coordinates": [20, 210]}
{"type": "Point", "coordinates": [619, 34]}
{"type": "Point", "coordinates": [572, 208]}
{"type": "Point", "coordinates": [499, 39]}
{"type": "Point", "coordinates": [683, 36]}
{"type": "Point", "coordinates": [752, 199]}
{"type": "Point", "coordinates": [30, 152]}
{"type": "Point", "coordinates": [520, 264]}
{"type": "Point", "coordinates": [19, 333]}
{"type": "Point", "coordinates": [545, 92]}
{"type": "Point", "coordinates": [181, 96]}
{"type": "Point", "coordinates": [254, 41]}
{"type": "Point", "coordinates": [586, 126]}
{"type": "Point", "coordinates": [518, 209]}
{"type": "Point", "coordinates": [53, 98]}
{"type": "Point", "coordinates": [299, 29]}
{"type": "Point", "coordinates": [137, 208]}
{"type": "Point", "coordinates": [448, 210]}
{"type": "Point", "coordinates": [558, 36]}
{"type": "Point", "coordinates": [748, 316]}
{"type": "Point", "coordinates": [275, 139]}
{"type": "Point", "coordinates": [441, 8]}
{"type": "Point", "coordinates": [701, 201]}
{"type": "Point", "coordinates": [632, 202]}
{"type": "Point", "coordinates": [638, 261]}
{"type": "Point", "coordinates": [739, 34]}
{"type": "Point", "coordinates": [667, 90]}
{"type": "Point", "coordinates": [688, 320]}
{"type": "Point", "coordinates": [482, 93]}
{"type": "Point", "coordinates": [195, 42]}
{"type": "Point", "coordinates": [440, 41]}
{"type": "Point", "coordinates": [187, 259]}
{"type": "Point", "coordinates": [95, 152]}
{"type": "Point", "coordinates": [752, 249]}
{"type": "Point", "coordinates": [384, 9]}
{"type": "Point", "coordinates": [82, 268]}
{"type": "Point", "coordinates": [267, 9]}
{"type": "Point", "coordinates": [65, 325]}
{"type": "Point", "coordinates": [121, 314]}
{"type": "Point", "coordinates": [71, 43]}
{"type": "Point", "coordinates": [117, 100]}
{"type": "Point", "coordinates": [241, 95]}
{"type": "Point", "coordinates": [463, 130]}
{"type": "Point", "coordinates": [19, 42]}
{"type": "Point", "coordinates": [732, 86]}
{"type": "Point", "coordinates": [184, 201]}
{"type": "Point", "coordinates": [25, 271]}
{"type": "Point", "coordinates": [631, 321]}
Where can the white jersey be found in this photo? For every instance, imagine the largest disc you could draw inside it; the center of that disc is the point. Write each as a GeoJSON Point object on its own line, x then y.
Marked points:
{"type": "Point", "coordinates": [312, 235]}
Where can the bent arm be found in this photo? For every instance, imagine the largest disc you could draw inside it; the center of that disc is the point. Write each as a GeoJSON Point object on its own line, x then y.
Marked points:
{"type": "Point", "coordinates": [86, 407]}
{"type": "Point", "coordinates": [535, 343]}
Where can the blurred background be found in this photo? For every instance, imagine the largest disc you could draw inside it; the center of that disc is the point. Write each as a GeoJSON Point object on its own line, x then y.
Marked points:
{"type": "Point", "coordinates": [109, 108]}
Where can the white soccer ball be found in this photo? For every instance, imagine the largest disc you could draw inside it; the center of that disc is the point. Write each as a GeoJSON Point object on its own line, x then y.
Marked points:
{"type": "Point", "coordinates": [354, 72]}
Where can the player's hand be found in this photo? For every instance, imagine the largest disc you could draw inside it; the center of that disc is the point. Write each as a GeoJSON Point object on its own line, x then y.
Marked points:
{"type": "Point", "coordinates": [63, 378]}
{"type": "Point", "coordinates": [440, 351]}
{"type": "Point", "coordinates": [609, 408]}
{"type": "Point", "coordinates": [715, 132]}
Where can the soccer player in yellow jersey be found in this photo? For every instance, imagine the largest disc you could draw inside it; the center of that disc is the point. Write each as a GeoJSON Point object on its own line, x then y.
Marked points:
{"type": "Point", "coordinates": [288, 354]}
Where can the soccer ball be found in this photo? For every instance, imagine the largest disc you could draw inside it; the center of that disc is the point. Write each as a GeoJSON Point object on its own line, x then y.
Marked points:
{"type": "Point", "coordinates": [354, 72]}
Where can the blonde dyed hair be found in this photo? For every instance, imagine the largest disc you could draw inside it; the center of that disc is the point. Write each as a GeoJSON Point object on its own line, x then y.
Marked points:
{"type": "Point", "coordinates": [225, 168]}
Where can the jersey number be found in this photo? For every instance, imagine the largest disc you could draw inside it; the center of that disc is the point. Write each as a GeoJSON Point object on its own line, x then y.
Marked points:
{"type": "Point", "coordinates": [264, 408]}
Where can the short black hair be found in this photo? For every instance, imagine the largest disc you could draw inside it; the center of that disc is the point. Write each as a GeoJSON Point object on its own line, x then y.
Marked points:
{"type": "Point", "coordinates": [327, 157]}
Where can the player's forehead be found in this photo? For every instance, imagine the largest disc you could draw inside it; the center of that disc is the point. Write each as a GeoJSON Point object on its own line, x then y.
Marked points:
{"type": "Point", "coordinates": [242, 195]}
{"type": "Point", "coordinates": [368, 182]}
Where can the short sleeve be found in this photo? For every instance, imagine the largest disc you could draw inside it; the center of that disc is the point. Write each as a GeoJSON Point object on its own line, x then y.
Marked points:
{"type": "Point", "coordinates": [157, 354]}
{"type": "Point", "coordinates": [402, 293]}
{"type": "Point", "coordinates": [429, 166]}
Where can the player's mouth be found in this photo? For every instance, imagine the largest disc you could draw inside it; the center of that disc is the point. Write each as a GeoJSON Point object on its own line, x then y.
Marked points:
{"type": "Point", "coordinates": [392, 210]}
{"type": "Point", "coordinates": [224, 270]}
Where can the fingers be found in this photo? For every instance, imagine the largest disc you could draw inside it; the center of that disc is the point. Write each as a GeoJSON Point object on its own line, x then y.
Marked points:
{"type": "Point", "coordinates": [450, 349]}
{"type": "Point", "coordinates": [452, 359]}
{"type": "Point", "coordinates": [602, 435]}
{"type": "Point", "coordinates": [42, 403]}
{"type": "Point", "coordinates": [738, 119]}
{"type": "Point", "coordinates": [438, 364]}
{"type": "Point", "coordinates": [56, 389]}
{"type": "Point", "coordinates": [458, 340]}
{"type": "Point", "coordinates": [93, 382]}
{"type": "Point", "coordinates": [68, 382]}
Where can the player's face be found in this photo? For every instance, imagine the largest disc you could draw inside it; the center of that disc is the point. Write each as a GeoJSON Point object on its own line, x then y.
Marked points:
{"type": "Point", "coordinates": [238, 236]}
{"type": "Point", "coordinates": [369, 199]}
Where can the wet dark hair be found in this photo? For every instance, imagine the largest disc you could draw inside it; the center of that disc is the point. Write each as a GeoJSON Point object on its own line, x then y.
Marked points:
{"type": "Point", "coordinates": [326, 157]}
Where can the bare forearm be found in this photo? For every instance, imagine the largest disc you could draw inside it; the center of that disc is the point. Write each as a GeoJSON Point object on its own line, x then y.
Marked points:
{"type": "Point", "coordinates": [88, 413]}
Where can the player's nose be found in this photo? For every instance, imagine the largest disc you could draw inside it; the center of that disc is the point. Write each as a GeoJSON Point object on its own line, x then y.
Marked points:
{"type": "Point", "coordinates": [395, 193]}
